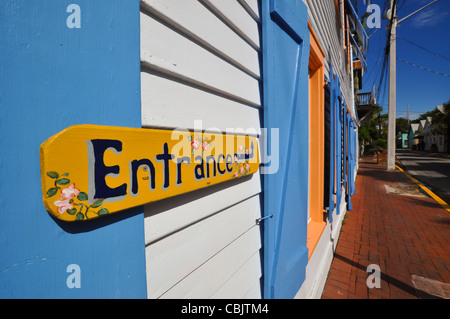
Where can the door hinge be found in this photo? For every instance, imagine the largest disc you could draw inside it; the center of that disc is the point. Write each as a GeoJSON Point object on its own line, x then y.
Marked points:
{"type": "Point", "coordinates": [259, 220]}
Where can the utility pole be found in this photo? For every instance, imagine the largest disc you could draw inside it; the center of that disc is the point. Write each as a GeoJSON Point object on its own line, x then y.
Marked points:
{"type": "Point", "coordinates": [392, 80]}
{"type": "Point", "coordinates": [407, 116]}
{"type": "Point", "coordinates": [392, 89]}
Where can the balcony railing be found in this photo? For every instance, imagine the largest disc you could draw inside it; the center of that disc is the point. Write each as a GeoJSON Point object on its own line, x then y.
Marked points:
{"type": "Point", "coordinates": [356, 25]}
{"type": "Point", "coordinates": [365, 99]}
{"type": "Point", "coordinates": [357, 52]}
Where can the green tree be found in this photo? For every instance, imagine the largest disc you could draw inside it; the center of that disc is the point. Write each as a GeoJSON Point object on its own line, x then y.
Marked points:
{"type": "Point", "coordinates": [373, 133]}
{"type": "Point", "coordinates": [401, 125]}
{"type": "Point", "coordinates": [440, 121]}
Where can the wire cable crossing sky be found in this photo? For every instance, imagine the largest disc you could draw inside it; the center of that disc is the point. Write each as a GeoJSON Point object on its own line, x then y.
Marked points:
{"type": "Point", "coordinates": [425, 46]}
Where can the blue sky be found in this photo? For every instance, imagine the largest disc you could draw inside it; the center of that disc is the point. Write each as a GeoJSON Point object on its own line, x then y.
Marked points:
{"type": "Point", "coordinates": [430, 28]}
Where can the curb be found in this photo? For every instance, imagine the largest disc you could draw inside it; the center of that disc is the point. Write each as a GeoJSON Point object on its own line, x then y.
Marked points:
{"type": "Point", "coordinates": [433, 195]}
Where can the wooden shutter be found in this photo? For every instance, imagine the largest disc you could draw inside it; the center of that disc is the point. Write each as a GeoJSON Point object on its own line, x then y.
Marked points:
{"type": "Point", "coordinates": [328, 202]}
{"type": "Point", "coordinates": [285, 69]}
{"type": "Point", "coordinates": [330, 143]}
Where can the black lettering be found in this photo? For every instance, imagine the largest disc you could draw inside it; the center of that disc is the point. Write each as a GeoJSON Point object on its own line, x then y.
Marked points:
{"type": "Point", "coordinates": [199, 169]}
{"type": "Point", "coordinates": [102, 190]}
{"type": "Point", "coordinates": [221, 172]}
{"type": "Point", "coordinates": [165, 157]}
{"type": "Point", "coordinates": [134, 168]}
{"type": "Point", "coordinates": [229, 162]}
{"type": "Point", "coordinates": [180, 161]}
{"type": "Point", "coordinates": [208, 159]}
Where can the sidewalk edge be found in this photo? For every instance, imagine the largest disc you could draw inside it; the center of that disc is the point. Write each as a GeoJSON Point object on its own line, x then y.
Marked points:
{"type": "Point", "coordinates": [433, 195]}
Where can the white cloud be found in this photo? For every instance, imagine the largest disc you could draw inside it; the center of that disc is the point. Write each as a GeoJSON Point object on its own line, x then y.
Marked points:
{"type": "Point", "coordinates": [429, 17]}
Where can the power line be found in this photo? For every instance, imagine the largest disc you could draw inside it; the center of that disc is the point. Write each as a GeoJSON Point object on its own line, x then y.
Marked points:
{"type": "Point", "coordinates": [385, 67]}
{"type": "Point", "coordinates": [423, 48]}
{"type": "Point", "coordinates": [422, 68]}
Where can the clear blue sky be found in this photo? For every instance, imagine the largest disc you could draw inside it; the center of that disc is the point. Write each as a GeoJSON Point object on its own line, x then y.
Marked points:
{"type": "Point", "coordinates": [430, 28]}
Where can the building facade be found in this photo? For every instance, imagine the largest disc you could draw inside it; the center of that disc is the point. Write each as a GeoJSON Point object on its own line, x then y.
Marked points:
{"type": "Point", "coordinates": [412, 135]}
{"type": "Point", "coordinates": [280, 71]}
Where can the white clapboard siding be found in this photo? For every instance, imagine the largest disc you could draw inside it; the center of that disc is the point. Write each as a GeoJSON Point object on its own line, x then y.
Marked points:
{"type": "Point", "coordinates": [173, 258]}
{"type": "Point", "coordinates": [207, 31]}
{"type": "Point", "coordinates": [206, 279]}
{"type": "Point", "coordinates": [190, 104]}
{"type": "Point", "coordinates": [252, 8]}
{"type": "Point", "coordinates": [200, 65]}
{"type": "Point", "coordinates": [237, 18]}
{"type": "Point", "coordinates": [325, 23]}
{"type": "Point", "coordinates": [243, 280]}
{"type": "Point", "coordinates": [163, 217]}
{"type": "Point", "coordinates": [166, 51]}
{"type": "Point", "coordinates": [254, 292]}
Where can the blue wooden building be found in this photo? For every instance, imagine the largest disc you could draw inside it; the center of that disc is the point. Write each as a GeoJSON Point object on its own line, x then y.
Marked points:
{"type": "Point", "coordinates": [279, 70]}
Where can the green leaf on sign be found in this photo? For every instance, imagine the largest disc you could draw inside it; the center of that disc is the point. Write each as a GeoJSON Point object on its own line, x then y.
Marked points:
{"type": "Point", "coordinates": [52, 191]}
{"type": "Point", "coordinates": [82, 196]}
{"type": "Point", "coordinates": [52, 175]}
{"type": "Point", "coordinates": [103, 211]}
{"type": "Point", "coordinates": [71, 211]}
{"type": "Point", "coordinates": [97, 203]}
{"type": "Point", "coordinates": [63, 181]}
{"type": "Point", "coordinates": [79, 216]}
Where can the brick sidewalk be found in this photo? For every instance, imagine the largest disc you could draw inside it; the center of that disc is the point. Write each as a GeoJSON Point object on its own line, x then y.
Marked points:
{"type": "Point", "coordinates": [403, 235]}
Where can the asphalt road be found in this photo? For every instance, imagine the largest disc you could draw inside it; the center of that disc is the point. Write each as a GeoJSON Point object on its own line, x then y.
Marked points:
{"type": "Point", "coordinates": [431, 171]}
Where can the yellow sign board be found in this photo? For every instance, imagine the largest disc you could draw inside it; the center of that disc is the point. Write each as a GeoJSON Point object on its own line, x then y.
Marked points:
{"type": "Point", "coordinates": [88, 171]}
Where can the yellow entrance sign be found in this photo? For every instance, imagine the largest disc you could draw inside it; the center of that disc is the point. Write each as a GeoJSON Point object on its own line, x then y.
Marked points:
{"type": "Point", "coordinates": [88, 171]}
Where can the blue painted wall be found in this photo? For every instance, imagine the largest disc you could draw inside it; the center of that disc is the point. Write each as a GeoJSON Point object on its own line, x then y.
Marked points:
{"type": "Point", "coordinates": [53, 77]}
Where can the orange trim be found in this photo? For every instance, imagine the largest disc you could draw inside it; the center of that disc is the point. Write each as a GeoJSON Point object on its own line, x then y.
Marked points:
{"type": "Point", "coordinates": [314, 231]}
{"type": "Point", "coordinates": [315, 42]}
{"type": "Point", "coordinates": [316, 128]}
{"type": "Point", "coordinates": [336, 4]}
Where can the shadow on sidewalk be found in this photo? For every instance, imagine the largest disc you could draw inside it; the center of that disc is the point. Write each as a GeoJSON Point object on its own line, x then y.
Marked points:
{"type": "Point", "coordinates": [392, 281]}
{"type": "Point", "coordinates": [380, 173]}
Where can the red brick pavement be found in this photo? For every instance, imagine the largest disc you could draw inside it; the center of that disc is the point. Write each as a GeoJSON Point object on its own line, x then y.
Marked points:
{"type": "Point", "coordinates": [401, 234]}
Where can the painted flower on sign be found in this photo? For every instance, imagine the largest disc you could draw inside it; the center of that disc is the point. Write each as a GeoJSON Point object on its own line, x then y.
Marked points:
{"type": "Point", "coordinates": [63, 205]}
{"type": "Point", "coordinates": [195, 144]}
{"type": "Point", "coordinates": [242, 169]}
{"type": "Point", "coordinates": [241, 163]}
{"type": "Point", "coordinates": [71, 198]}
{"type": "Point", "coordinates": [70, 192]}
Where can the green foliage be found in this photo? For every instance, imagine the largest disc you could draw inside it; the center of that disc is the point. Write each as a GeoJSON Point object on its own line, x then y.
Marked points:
{"type": "Point", "coordinates": [440, 121]}
{"type": "Point", "coordinates": [374, 132]}
{"type": "Point", "coordinates": [401, 125]}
